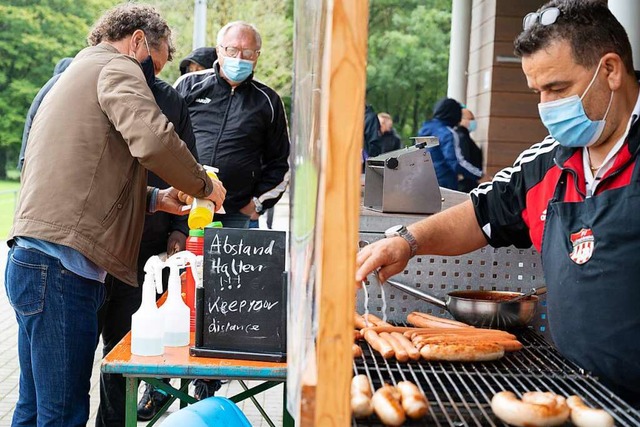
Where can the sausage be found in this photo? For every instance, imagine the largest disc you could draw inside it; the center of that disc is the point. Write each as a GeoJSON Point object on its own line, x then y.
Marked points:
{"type": "Point", "coordinates": [386, 404]}
{"type": "Point", "coordinates": [584, 416]}
{"type": "Point", "coordinates": [378, 343]}
{"type": "Point", "coordinates": [408, 332]}
{"type": "Point", "coordinates": [462, 352]}
{"type": "Point", "coordinates": [408, 346]}
{"type": "Point", "coordinates": [376, 320]}
{"type": "Point", "coordinates": [477, 332]}
{"type": "Point", "coordinates": [401, 329]}
{"type": "Point", "coordinates": [424, 320]}
{"type": "Point", "coordinates": [360, 384]}
{"type": "Point", "coordinates": [359, 321]}
{"type": "Point", "coordinates": [361, 405]}
{"type": "Point", "coordinates": [356, 350]}
{"type": "Point", "coordinates": [399, 351]}
{"type": "Point", "coordinates": [535, 409]}
{"type": "Point", "coordinates": [507, 344]}
{"type": "Point", "coordinates": [414, 403]}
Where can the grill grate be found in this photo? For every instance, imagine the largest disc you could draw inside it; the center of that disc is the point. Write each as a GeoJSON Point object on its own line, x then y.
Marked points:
{"type": "Point", "coordinates": [460, 393]}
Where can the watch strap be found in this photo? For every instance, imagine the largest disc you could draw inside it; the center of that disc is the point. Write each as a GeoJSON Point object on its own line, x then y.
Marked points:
{"type": "Point", "coordinates": [402, 231]}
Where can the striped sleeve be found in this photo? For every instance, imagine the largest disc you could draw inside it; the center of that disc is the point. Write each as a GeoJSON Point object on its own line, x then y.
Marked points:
{"type": "Point", "coordinates": [499, 204]}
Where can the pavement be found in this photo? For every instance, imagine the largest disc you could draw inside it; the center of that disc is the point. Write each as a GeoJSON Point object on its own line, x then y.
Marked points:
{"type": "Point", "coordinates": [271, 400]}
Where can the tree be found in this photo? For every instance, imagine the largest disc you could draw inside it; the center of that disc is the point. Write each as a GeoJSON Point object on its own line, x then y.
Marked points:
{"type": "Point", "coordinates": [273, 18]}
{"type": "Point", "coordinates": [408, 58]}
{"type": "Point", "coordinates": [34, 35]}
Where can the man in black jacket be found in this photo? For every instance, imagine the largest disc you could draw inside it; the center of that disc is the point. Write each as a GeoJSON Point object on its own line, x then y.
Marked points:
{"type": "Point", "coordinates": [240, 126]}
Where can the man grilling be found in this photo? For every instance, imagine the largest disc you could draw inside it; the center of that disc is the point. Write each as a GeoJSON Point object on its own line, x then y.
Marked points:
{"type": "Point", "coordinates": [574, 196]}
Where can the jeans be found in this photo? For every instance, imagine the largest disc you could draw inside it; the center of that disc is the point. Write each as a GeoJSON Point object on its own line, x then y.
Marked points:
{"type": "Point", "coordinates": [114, 321]}
{"type": "Point", "coordinates": [57, 335]}
{"type": "Point", "coordinates": [233, 220]}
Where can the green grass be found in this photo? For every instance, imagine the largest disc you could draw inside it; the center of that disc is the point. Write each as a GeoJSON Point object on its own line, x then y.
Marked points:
{"type": "Point", "coordinates": [8, 196]}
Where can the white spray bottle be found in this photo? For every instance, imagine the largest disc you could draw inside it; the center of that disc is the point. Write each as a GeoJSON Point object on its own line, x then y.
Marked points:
{"type": "Point", "coordinates": [174, 311]}
{"type": "Point", "coordinates": [147, 325]}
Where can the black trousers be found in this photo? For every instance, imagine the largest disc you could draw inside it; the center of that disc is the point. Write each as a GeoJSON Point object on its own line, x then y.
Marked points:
{"type": "Point", "coordinates": [114, 321]}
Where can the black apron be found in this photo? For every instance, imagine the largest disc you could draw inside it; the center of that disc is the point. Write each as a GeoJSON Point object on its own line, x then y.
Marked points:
{"type": "Point", "coordinates": [589, 251]}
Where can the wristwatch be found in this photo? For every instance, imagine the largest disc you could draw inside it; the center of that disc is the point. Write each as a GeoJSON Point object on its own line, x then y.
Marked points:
{"type": "Point", "coordinates": [401, 231]}
{"type": "Point", "coordinates": [257, 204]}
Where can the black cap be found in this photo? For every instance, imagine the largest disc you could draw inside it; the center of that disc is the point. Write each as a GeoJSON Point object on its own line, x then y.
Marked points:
{"type": "Point", "coordinates": [204, 56]}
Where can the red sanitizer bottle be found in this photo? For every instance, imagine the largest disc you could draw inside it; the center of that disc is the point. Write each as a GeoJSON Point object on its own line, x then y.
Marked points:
{"type": "Point", "coordinates": [195, 245]}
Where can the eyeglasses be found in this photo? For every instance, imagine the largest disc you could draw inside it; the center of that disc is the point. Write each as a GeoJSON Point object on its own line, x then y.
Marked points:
{"type": "Point", "coordinates": [246, 53]}
{"type": "Point", "coordinates": [546, 17]}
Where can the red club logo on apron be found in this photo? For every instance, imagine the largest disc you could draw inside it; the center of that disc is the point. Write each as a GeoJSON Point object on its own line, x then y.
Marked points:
{"type": "Point", "coordinates": [583, 243]}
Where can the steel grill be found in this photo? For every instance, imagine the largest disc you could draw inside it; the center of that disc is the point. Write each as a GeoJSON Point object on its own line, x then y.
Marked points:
{"type": "Point", "coordinates": [460, 393]}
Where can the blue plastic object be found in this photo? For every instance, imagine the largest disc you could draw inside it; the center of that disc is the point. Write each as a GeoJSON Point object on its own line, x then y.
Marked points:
{"type": "Point", "coordinates": [209, 412]}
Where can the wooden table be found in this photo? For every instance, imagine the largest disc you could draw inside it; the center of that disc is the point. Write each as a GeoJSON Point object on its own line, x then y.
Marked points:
{"type": "Point", "coordinates": [177, 363]}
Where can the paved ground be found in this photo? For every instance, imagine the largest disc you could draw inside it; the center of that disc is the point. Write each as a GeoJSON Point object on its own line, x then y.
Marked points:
{"type": "Point", "coordinates": [10, 371]}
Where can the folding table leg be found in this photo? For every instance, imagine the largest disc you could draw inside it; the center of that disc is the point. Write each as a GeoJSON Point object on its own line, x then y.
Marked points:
{"type": "Point", "coordinates": [131, 404]}
{"type": "Point", "coordinates": [184, 386]}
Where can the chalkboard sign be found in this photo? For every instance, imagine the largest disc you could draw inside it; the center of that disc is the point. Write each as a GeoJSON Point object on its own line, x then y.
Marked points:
{"type": "Point", "coordinates": [241, 309]}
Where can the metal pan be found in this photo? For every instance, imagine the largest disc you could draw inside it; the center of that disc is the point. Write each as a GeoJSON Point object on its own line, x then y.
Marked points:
{"type": "Point", "coordinates": [484, 309]}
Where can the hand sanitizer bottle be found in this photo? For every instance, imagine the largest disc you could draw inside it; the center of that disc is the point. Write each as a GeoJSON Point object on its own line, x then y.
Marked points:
{"type": "Point", "coordinates": [202, 210]}
{"type": "Point", "coordinates": [174, 311]}
{"type": "Point", "coordinates": [147, 323]}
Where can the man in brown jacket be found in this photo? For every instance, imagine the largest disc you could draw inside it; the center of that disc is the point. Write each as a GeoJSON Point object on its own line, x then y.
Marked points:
{"type": "Point", "coordinates": [81, 210]}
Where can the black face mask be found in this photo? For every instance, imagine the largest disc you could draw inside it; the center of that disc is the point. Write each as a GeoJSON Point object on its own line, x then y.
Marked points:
{"type": "Point", "coordinates": [149, 71]}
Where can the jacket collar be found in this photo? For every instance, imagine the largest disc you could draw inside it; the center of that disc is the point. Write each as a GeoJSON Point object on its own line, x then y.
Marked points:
{"type": "Point", "coordinates": [109, 47]}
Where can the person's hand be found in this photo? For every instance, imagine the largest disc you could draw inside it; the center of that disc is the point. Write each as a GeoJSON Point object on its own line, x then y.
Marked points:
{"type": "Point", "coordinates": [169, 202]}
{"type": "Point", "coordinates": [389, 256]}
{"type": "Point", "coordinates": [218, 194]}
{"type": "Point", "coordinates": [177, 242]}
{"type": "Point", "coordinates": [250, 210]}
{"type": "Point", "coordinates": [185, 198]}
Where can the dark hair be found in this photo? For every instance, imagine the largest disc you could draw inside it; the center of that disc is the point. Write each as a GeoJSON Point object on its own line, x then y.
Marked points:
{"type": "Point", "coordinates": [123, 20]}
{"type": "Point", "coordinates": [588, 26]}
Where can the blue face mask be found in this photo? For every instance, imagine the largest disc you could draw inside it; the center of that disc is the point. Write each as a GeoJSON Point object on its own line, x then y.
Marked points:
{"type": "Point", "coordinates": [567, 122]}
{"type": "Point", "coordinates": [237, 69]}
{"type": "Point", "coordinates": [473, 125]}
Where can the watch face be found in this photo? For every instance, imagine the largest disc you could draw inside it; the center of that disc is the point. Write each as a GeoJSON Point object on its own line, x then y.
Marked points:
{"type": "Point", "coordinates": [394, 231]}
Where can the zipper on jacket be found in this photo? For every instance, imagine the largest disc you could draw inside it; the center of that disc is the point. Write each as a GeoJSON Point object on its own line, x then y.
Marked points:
{"type": "Point", "coordinates": [575, 177]}
{"type": "Point", "coordinates": [222, 126]}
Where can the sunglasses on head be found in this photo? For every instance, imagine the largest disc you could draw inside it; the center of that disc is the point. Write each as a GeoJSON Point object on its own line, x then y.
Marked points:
{"type": "Point", "coordinates": [546, 17]}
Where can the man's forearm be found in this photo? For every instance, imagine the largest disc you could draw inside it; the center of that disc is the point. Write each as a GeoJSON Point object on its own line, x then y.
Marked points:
{"type": "Point", "coordinates": [452, 232]}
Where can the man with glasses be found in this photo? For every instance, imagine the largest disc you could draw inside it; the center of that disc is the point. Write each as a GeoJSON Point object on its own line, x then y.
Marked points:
{"type": "Point", "coordinates": [574, 196]}
{"type": "Point", "coordinates": [240, 126]}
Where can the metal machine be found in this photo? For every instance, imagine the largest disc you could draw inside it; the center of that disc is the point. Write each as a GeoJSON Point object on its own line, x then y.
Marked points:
{"type": "Point", "coordinates": [403, 181]}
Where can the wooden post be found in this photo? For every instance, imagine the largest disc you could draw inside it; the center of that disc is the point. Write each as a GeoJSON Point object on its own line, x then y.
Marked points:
{"type": "Point", "coordinates": [342, 119]}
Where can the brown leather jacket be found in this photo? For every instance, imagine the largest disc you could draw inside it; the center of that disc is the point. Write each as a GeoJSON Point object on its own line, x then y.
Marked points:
{"type": "Point", "coordinates": [84, 176]}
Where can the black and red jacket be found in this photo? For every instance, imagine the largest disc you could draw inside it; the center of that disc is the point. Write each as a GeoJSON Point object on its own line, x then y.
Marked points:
{"type": "Point", "coordinates": [512, 208]}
